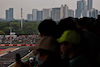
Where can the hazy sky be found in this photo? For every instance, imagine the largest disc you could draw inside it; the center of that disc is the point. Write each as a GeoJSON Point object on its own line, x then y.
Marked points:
{"type": "Point", "coordinates": [28, 5]}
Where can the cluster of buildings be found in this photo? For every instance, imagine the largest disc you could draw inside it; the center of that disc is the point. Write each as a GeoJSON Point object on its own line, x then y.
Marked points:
{"type": "Point", "coordinates": [84, 9]}
{"type": "Point", "coordinates": [53, 13]}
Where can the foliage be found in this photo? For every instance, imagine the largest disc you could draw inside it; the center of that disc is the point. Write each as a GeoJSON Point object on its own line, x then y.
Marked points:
{"type": "Point", "coordinates": [2, 33]}
{"type": "Point", "coordinates": [29, 28]}
{"type": "Point", "coordinates": [6, 30]}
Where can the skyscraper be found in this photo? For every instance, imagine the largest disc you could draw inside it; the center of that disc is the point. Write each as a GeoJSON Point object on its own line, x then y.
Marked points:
{"type": "Point", "coordinates": [39, 15]}
{"type": "Point", "coordinates": [81, 6]}
{"type": "Point", "coordinates": [29, 17]}
{"type": "Point", "coordinates": [89, 4]}
{"type": "Point", "coordinates": [98, 12]}
{"type": "Point", "coordinates": [70, 13]}
{"type": "Point", "coordinates": [34, 13]}
{"type": "Point", "coordinates": [92, 13]}
{"type": "Point", "coordinates": [9, 14]}
{"type": "Point", "coordinates": [56, 14]}
{"type": "Point", "coordinates": [63, 11]}
{"type": "Point", "coordinates": [46, 14]}
{"type": "Point", "coordinates": [84, 13]}
{"type": "Point", "coordinates": [95, 13]}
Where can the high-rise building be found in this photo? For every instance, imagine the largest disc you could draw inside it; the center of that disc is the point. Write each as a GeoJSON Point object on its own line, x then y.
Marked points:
{"type": "Point", "coordinates": [56, 14]}
{"type": "Point", "coordinates": [34, 13]}
{"type": "Point", "coordinates": [78, 10]}
{"type": "Point", "coordinates": [98, 12]}
{"type": "Point", "coordinates": [9, 14]}
{"type": "Point", "coordinates": [29, 17]}
{"type": "Point", "coordinates": [81, 6]}
{"type": "Point", "coordinates": [88, 13]}
{"type": "Point", "coordinates": [89, 4]}
{"type": "Point", "coordinates": [93, 13]}
{"type": "Point", "coordinates": [70, 13]}
{"type": "Point", "coordinates": [46, 14]}
{"type": "Point", "coordinates": [39, 15]}
{"type": "Point", "coordinates": [84, 13]}
{"type": "Point", "coordinates": [63, 11]}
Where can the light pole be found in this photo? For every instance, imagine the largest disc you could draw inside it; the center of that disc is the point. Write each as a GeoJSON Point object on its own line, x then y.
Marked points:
{"type": "Point", "coordinates": [21, 18]}
{"type": "Point", "coordinates": [10, 34]}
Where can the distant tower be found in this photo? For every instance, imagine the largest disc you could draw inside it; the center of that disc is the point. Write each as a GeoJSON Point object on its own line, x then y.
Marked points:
{"type": "Point", "coordinates": [21, 18]}
{"type": "Point", "coordinates": [9, 14]}
{"type": "Point", "coordinates": [89, 4]}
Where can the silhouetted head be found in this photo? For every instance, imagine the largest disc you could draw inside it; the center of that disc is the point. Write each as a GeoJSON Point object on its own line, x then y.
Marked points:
{"type": "Point", "coordinates": [67, 24]}
{"type": "Point", "coordinates": [91, 24]}
{"type": "Point", "coordinates": [83, 22]}
{"type": "Point", "coordinates": [70, 42]}
{"type": "Point", "coordinates": [97, 27]}
{"type": "Point", "coordinates": [87, 23]}
{"type": "Point", "coordinates": [48, 49]}
{"type": "Point", "coordinates": [47, 27]}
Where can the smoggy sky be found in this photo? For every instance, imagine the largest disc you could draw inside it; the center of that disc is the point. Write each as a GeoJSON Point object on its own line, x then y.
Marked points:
{"type": "Point", "coordinates": [28, 5]}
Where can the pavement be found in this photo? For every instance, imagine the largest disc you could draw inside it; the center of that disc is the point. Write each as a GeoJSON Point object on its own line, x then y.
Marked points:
{"type": "Point", "coordinates": [3, 52]}
{"type": "Point", "coordinates": [9, 58]}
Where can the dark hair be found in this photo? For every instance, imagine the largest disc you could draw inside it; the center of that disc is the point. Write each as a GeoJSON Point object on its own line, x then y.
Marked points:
{"type": "Point", "coordinates": [48, 27]}
{"type": "Point", "coordinates": [66, 24]}
{"type": "Point", "coordinates": [97, 25]}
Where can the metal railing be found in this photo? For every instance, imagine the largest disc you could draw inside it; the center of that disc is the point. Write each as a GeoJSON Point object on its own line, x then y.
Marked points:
{"type": "Point", "coordinates": [24, 58]}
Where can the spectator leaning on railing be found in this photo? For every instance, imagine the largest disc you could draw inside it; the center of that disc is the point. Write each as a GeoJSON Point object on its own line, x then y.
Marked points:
{"type": "Point", "coordinates": [19, 63]}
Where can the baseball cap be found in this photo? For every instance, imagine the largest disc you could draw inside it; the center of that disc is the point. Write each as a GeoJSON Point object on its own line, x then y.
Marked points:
{"type": "Point", "coordinates": [70, 36]}
{"type": "Point", "coordinates": [47, 43]}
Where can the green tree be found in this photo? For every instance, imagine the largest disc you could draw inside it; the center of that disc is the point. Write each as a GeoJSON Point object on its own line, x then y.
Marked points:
{"type": "Point", "coordinates": [28, 27]}
{"type": "Point", "coordinates": [3, 25]}
{"type": "Point", "coordinates": [15, 26]}
{"type": "Point", "coordinates": [19, 32]}
{"type": "Point", "coordinates": [2, 33]}
{"type": "Point", "coordinates": [6, 30]}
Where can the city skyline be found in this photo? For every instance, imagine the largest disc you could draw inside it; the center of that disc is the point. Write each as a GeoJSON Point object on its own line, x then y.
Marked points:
{"type": "Point", "coordinates": [27, 8]}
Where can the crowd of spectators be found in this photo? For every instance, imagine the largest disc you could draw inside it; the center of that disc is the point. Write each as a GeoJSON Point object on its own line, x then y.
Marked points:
{"type": "Point", "coordinates": [72, 42]}
{"type": "Point", "coordinates": [22, 39]}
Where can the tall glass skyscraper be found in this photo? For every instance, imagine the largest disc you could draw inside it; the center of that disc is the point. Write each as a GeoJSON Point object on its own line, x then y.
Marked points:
{"type": "Point", "coordinates": [89, 4]}
{"type": "Point", "coordinates": [56, 14]}
{"type": "Point", "coordinates": [9, 14]}
{"type": "Point", "coordinates": [80, 7]}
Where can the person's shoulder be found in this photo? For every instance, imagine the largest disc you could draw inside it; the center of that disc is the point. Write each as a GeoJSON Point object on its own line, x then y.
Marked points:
{"type": "Point", "coordinates": [80, 62]}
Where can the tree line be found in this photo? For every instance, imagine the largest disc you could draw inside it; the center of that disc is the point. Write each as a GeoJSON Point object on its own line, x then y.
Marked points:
{"type": "Point", "coordinates": [29, 28]}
